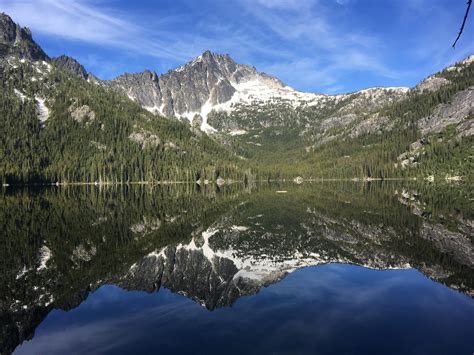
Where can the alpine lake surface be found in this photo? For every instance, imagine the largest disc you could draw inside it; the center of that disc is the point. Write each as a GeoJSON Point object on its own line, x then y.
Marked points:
{"type": "Point", "coordinates": [316, 268]}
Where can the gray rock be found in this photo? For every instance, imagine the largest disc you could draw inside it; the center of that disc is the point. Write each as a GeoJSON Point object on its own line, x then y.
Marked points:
{"type": "Point", "coordinates": [335, 122]}
{"type": "Point", "coordinates": [371, 124]}
{"type": "Point", "coordinates": [207, 79]}
{"type": "Point", "coordinates": [456, 244]}
{"type": "Point", "coordinates": [18, 41]}
{"type": "Point", "coordinates": [145, 138]}
{"type": "Point", "coordinates": [82, 114]}
{"type": "Point", "coordinates": [432, 83]}
{"type": "Point", "coordinates": [70, 64]}
{"type": "Point", "coordinates": [460, 107]}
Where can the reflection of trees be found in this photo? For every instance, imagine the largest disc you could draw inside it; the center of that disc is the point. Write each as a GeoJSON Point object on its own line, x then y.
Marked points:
{"type": "Point", "coordinates": [96, 235]}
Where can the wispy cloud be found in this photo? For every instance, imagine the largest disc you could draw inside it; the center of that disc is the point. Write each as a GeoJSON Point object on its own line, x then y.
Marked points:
{"type": "Point", "coordinates": [338, 51]}
{"type": "Point", "coordinates": [285, 4]}
{"type": "Point", "coordinates": [82, 21]}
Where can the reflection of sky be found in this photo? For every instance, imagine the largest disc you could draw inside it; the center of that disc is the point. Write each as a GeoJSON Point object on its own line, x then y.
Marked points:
{"type": "Point", "coordinates": [318, 310]}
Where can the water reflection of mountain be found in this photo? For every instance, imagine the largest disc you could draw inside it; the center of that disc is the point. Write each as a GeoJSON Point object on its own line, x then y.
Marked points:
{"type": "Point", "coordinates": [216, 246]}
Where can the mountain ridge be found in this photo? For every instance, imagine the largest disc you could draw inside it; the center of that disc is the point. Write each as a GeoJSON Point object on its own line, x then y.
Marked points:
{"type": "Point", "coordinates": [17, 40]}
{"type": "Point", "coordinates": [230, 84]}
{"type": "Point", "coordinates": [193, 89]}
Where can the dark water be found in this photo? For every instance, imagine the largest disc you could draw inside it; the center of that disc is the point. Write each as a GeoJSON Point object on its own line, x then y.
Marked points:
{"type": "Point", "coordinates": [333, 268]}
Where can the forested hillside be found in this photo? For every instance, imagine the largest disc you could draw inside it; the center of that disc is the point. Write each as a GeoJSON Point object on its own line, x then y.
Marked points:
{"type": "Point", "coordinates": [427, 132]}
{"type": "Point", "coordinates": [57, 127]}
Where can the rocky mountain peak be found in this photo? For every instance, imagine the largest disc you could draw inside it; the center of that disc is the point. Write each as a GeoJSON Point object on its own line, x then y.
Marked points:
{"type": "Point", "coordinates": [210, 57]}
{"type": "Point", "coordinates": [207, 56]}
{"type": "Point", "coordinates": [194, 89]}
{"type": "Point", "coordinates": [151, 75]}
{"type": "Point", "coordinates": [70, 64]}
{"type": "Point", "coordinates": [217, 64]}
{"type": "Point", "coordinates": [18, 41]}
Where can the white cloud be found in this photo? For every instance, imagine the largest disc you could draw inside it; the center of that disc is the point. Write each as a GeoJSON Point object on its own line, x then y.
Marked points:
{"type": "Point", "coordinates": [81, 20]}
{"type": "Point", "coordinates": [285, 4]}
{"type": "Point", "coordinates": [325, 52]}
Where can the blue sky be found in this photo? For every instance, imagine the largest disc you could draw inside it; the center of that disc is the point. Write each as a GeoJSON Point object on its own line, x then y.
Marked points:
{"type": "Point", "coordinates": [328, 46]}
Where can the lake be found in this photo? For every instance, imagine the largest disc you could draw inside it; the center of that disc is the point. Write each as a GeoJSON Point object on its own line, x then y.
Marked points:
{"type": "Point", "coordinates": [320, 268]}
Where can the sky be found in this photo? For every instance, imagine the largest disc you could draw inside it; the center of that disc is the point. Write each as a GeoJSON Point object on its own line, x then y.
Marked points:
{"type": "Point", "coordinates": [325, 46]}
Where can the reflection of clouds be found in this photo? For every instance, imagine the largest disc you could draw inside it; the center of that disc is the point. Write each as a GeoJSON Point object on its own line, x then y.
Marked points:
{"type": "Point", "coordinates": [102, 336]}
{"type": "Point", "coordinates": [334, 280]}
{"type": "Point", "coordinates": [107, 294]}
{"type": "Point", "coordinates": [90, 338]}
{"type": "Point", "coordinates": [322, 307]}
{"type": "Point", "coordinates": [335, 301]}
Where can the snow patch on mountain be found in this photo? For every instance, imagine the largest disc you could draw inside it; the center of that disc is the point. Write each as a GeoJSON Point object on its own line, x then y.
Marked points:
{"type": "Point", "coordinates": [379, 90]}
{"type": "Point", "coordinates": [203, 113]}
{"type": "Point", "coordinates": [257, 90]}
{"type": "Point", "coordinates": [44, 255]}
{"type": "Point", "coordinates": [22, 272]}
{"type": "Point", "coordinates": [238, 132]}
{"type": "Point", "coordinates": [43, 111]}
{"type": "Point", "coordinates": [19, 94]}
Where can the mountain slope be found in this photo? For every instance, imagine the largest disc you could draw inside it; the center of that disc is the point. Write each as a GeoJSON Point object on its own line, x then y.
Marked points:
{"type": "Point", "coordinates": [364, 134]}
{"type": "Point", "coordinates": [58, 127]}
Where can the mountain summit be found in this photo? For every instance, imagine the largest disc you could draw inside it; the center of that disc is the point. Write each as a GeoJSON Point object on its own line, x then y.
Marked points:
{"type": "Point", "coordinates": [209, 81]}
{"type": "Point", "coordinates": [215, 82]}
{"type": "Point", "coordinates": [18, 41]}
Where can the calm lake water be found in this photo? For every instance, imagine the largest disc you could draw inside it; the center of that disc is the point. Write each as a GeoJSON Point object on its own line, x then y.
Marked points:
{"type": "Point", "coordinates": [327, 268]}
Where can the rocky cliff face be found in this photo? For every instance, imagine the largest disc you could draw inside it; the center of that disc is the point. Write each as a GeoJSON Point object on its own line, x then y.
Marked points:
{"type": "Point", "coordinates": [454, 113]}
{"type": "Point", "coordinates": [70, 64]}
{"type": "Point", "coordinates": [18, 41]}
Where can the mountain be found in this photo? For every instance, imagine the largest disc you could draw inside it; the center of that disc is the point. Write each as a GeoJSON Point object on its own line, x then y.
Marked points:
{"type": "Point", "coordinates": [70, 64]}
{"type": "Point", "coordinates": [56, 126]}
{"type": "Point", "coordinates": [17, 41]}
{"type": "Point", "coordinates": [215, 82]}
{"type": "Point", "coordinates": [264, 120]}
{"type": "Point", "coordinates": [425, 131]}
{"type": "Point", "coordinates": [211, 81]}
{"type": "Point", "coordinates": [62, 124]}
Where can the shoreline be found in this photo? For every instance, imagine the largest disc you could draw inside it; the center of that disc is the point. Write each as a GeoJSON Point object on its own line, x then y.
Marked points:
{"type": "Point", "coordinates": [297, 181]}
